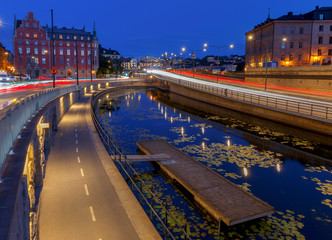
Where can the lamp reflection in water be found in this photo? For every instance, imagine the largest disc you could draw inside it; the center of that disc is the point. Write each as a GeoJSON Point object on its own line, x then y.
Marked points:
{"type": "Point", "coordinates": [174, 110]}
{"type": "Point", "coordinates": [188, 119]}
{"type": "Point", "coordinates": [150, 97]}
{"type": "Point", "coordinates": [278, 167]}
{"type": "Point", "coordinates": [182, 131]}
{"type": "Point", "coordinates": [180, 115]}
{"type": "Point", "coordinates": [245, 171]}
{"type": "Point", "coordinates": [110, 114]}
{"type": "Point", "coordinates": [228, 142]}
{"type": "Point", "coordinates": [203, 130]}
{"type": "Point", "coordinates": [165, 115]}
{"type": "Point", "coordinates": [171, 119]}
{"type": "Point", "coordinates": [203, 145]}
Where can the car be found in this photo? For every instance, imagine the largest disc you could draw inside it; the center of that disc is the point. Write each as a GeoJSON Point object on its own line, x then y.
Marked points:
{"type": "Point", "coordinates": [26, 77]}
{"type": "Point", "coordinates": [5, 78]}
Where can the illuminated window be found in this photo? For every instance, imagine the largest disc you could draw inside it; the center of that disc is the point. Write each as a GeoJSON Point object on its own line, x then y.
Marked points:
{"type": "Point", "coordinates": [68, 44]}
{"type": "Point", "coordinates": [82, 44]}
{"type": "Point", "coordinates": [82, 52]}
{"type": "Point", "coordinates": [43, 51]}
{"type": "Point", "coordinates": [61, 51]}
{"type": "Point", "coordinates": [75, 37]}
{"type": "Point", "coordinates": [20, 50]}
{"type": "Point", "coordinates": [68, 52]}
{"type": "Point", "coordinates": [35, 35]}
{"type": "Point", "coordinates": [60, 43]}
{"type": "Point", "coordinates": [27, 35]}
{"type": "Point", "coordinates": [74, 52]}
{"type": "Point", "coordinates": [36, 50]}
{"type": "Point", "coordinates": [36, 42]}
{"type": "Point", "coordinates": [27, 42]}
{"type": "Point", "coordinates": [89, 52]}
{"type": "Point", "coordinates": [37, 60]}
{"type": "Point", "coordinates": [82, 61]}
{"type": "Point", "coordinates": [28, 50]}
{"type": "Point", "coordinates": [60, 36]}
{"type": "Point", "coordinates": [283, 45]}
{"type": "Point", "coordinates": [89, 45]}
{"type": "Point", "coordinates": [82, 37]}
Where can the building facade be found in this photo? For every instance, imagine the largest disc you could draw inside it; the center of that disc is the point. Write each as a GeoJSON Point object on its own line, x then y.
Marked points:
{"type": "Point", "coordinates": [291, 40]}
{"type": "Point", "coordinates": [109, 53]}
{"type": "Point", "coordinates": [33, 50]}
{"type": "Point", "coordinates": [6, 60]}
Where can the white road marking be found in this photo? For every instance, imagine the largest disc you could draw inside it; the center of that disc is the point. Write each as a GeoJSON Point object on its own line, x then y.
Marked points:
{"type": "Point", "coordinates": [86, 189]}
{"type": "Point", "coordinates": [76, 141]}
{"type": "Point", "coordinates": [92, 214]}
{"type": "Point", "coordinates": [78, 160]}
{"type": "Point", "coordinates": [82, 173]}
{"type": "Point", "coordinates": [76, 125]}
{"type": "Point", "coordinates": [77, 149]}
{"type": "Point", "coordinates": [75, 129]}
{"type": "Point", "coordinates": [76, 135]}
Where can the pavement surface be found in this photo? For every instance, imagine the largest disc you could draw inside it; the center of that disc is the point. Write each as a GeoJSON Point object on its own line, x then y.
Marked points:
{"type": "Point", "coordinates": [78, 200]}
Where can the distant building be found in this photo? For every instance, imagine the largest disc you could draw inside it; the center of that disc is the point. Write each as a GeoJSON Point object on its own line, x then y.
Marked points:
{"type": "Point", "coordinates": [292, 40]}
{"type": "Point", "coordinates": [6, 60]}
{"type": "Point", "coordinates": [150, 62]}
{"type": "Point", "coordinates": [129, 64]}
{"type": "Point", "coordinates": [33, 49]}
{"type": "Point", "coordinates": [109, 53]}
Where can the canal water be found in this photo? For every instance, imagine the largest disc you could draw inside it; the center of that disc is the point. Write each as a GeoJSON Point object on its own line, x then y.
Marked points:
{"type": "Point", "coordinates": [277, 167]}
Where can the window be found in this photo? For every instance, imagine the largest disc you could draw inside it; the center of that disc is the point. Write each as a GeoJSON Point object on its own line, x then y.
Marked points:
{"type": "Point", "coordinates": [292, 31]}
{"type": "Point", "coordinates": [61, 51]}
{"type": "Point", "coordinates": [68, 44]}
{"type": "Point", "coordinates": [75, 37]}
{"type": "Point", "coordinates": [43, 51]}
{"type": "Point", "coordinates": [83, 71]}
{"type": "Point", "coordinates": [60, 43]}
{"type": "Point", "coordinates": [319, 52]}
{"type": "Point", "coordinates": [36, 50]}
{"type": "Point", "coordinates": [27, 25]}
{"type": "Point", "coordinates": [330, 41]}
{"type": "Point", "coordinates": [44, 71]}
{"type": "Point", "coordinates": [89, 53]}
{"type": "Point", "coordinates": [95, 53]}
{"type": "Point", "coordinates": [37, 60]}
{"type": "Point", "coordinates": [82, 61]}
{"type": "Point", "coordinates": [36, 42]}
{"type": "Point", "coordinates": [82, 44]}
{"type": "Point", "coordinates": [60, 36]}
{"type": "Point", "coordinates": [43, 60]}
{"type": "Point", "coordinates": [301, 30]}
{"type": "Point", "coordinates": [61, 60]}
{"type": "Point", "coordinates": [321, 16]}
{"type": "Point", "coordinates": [300, 45]}
{"type": "Point", "coordinates": [74, 52]}
{"type": "Point", "coordinates": [330, 52]}
{"type": "Point", "coordinates": [68, 52]}
{"type": "Point", "coordinates": [283, 31]}
{"type": "Point", "coordinates": [331, 28]}
{"type": "Point", "coordinates": [89, 61]}
{"type": "Point", "coordinates": [54, 52]}
{"type": "Point", "coordinates": [291, 57]}
{"type": "Point", "coordinates": [19, 41]}
{"type": "Point", "coordinates": [282, 57]}
{"type": "Point", "coordinates": [41, 35]}
{"type": "Point", "coordinates": [89, 45]}
{"type": "Point", "coordinates": [291, 45]}
{"type": "Point", "coordinates": [27, 35]}
{"type": "Point", "coordinates": [43, 43]}
{"type": "Point", "coordinates": [68, 37]}
{"type": "Point", "coordinates": [35, 35]}
{"type": "Point", "coordinates": [300, 57]}
{"type": "Point", "coordinates": [320, 40]}
{"type": "Point", "coordinates": [82, 52]}
{"type": "Point", "coordinates": [20, 50]}
{"type": "Point", "coordinates": [88, 38]}
{"type": "Point", "coordinates": [321, 28]}
{"type": "Point", "coordinates": [20, 60]}
{"type": "Point", "coordinates": [27, 42]}
{"type": "Point", "coordinates": [82, 37]}
{"type": "Point", "coordinates": [68, 61]}
{"type": "Point", "coordinates": [283, 45]}
{"type": "Point", "coordinates": [28, 60]}
{"type": "Point", "coordinates": [28, 50]}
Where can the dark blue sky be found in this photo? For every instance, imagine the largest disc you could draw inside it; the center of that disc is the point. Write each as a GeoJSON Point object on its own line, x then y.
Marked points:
{"type": "Point", "coordinates": [151, 27]}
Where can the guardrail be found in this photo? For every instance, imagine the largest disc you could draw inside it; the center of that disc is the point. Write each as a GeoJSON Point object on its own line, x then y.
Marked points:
{"type": "Point", "coordinates": [131, 176]}
{"type": "Point", "coordinates": [323, 112]}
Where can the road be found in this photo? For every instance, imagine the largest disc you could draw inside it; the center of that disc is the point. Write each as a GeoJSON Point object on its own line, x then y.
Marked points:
{"type": "Point", "coordinates": [78, 200]}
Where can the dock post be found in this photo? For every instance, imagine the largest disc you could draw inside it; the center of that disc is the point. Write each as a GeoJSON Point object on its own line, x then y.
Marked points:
{"type": "Point", "coordinates": [141, 192]}
{"type": "Point", "coordinates": [166, 217]}
{"type": "Point", "coordinates": [219, 229]}
{"type": "Point", "coordinates": [151, 212]}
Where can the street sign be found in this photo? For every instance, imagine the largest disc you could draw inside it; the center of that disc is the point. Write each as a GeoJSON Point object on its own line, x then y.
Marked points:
{"type": "Point", "coordinates": [54, 71]}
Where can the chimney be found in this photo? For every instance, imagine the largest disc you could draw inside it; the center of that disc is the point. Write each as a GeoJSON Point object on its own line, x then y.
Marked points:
{"type": "Point", "coordinates": [317, 7]}
{"type": "Point", "coordinates": [290, 13]}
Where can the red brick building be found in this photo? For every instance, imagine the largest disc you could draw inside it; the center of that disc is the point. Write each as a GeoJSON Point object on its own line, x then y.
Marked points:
{"type": "Point", "coordinates": [33, 49]}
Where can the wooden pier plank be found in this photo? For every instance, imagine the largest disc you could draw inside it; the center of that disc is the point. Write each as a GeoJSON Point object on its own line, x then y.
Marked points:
{"type": "Point", "coordinates": [221, 198]}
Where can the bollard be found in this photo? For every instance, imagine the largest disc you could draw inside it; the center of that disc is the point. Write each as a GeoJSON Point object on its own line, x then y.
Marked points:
{"type": "Point", "coordinates": [166, 217]}
{"type": "Point", "coordinates": [219, 229]}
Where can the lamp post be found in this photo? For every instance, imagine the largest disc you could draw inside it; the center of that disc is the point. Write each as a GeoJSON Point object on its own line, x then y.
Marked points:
{"type": "Point", "coordinates": [52, 41]}
{"type": "Point", "coordinates": [193, 56]}
{"type": "Point", "coordinates": [218, 47]}
{"type": "Point", "coordinates": [76, 63]}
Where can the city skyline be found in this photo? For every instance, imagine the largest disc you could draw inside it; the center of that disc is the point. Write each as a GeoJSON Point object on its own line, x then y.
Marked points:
{"type": "Point", "coordinates": [150, 28]}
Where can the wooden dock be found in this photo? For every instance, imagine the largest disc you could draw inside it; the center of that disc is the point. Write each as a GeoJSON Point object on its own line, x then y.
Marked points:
{"type": "Point", "coordinates": [221, 198]}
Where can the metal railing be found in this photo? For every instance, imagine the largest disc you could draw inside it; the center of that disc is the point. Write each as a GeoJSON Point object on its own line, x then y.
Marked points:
{"type": "Point", "coordinates": [323, 112]}
{"type": "Point", "coordinates": [131, 176]}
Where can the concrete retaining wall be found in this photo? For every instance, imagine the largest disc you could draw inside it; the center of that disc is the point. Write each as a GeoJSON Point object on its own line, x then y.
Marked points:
{"type": "Point", "coordinates": [267, 113]}
{"type": "Point", "coordinates": [317, 78]}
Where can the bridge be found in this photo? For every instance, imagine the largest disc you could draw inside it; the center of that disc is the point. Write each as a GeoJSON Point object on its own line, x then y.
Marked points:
{"type": "Point", "coordinates": [78, 164]}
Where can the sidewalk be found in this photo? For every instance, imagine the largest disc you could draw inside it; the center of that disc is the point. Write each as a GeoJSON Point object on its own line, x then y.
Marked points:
{"type": "Point", "coordinates": [84, 196]}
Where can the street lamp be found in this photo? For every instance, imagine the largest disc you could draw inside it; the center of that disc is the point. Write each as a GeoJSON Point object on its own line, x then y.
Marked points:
{"type": "Point", "coordinates": [193, 56]}
{"type": "Point", "coordinates": [218, 47]}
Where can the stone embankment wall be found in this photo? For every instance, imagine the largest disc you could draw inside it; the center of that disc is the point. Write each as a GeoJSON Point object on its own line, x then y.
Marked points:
{"type": "Point", "coordinates": [317, 78]}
